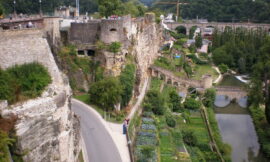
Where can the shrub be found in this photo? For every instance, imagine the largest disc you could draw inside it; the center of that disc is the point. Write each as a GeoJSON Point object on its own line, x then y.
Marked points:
{"type": "Point", "coordinates": [170, 121]}
{"type": "Point", "coordinates": [115, 47]}
{"type": "Point", "coordinates": [223, 68]}
{"type": "Point", "coordinates": [189, 138]}
{"type": "Point", "coordinates": [23, 81]}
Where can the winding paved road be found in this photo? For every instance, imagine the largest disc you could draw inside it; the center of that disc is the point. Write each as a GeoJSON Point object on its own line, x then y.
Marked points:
{"type": "Point", "coordinates": [98, 142]}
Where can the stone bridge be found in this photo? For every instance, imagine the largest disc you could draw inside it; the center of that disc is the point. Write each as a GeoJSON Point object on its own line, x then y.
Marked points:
{"type": "Point", "coordinates": [231, 92]}
{"type": "Point", "coordinates": [219, 25]}
{"type": "Point", "coordinates": [170, 78]}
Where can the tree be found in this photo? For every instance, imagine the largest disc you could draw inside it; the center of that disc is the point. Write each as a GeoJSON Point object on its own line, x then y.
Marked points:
{"type": "Point", "coordinates": [223, 68]}
{"type": "Point", "coordinates": [181, 30]}
{"type": "Point", "coordinates": [1, 10]}
{"type": "Point", "coordinates": [170, 121]}
{"type": "Point", "coordinates": [127, 80]}
{"type": "Point", "coordinates": [154, 102]}
{"type": "Point", "coordinates": [192, 104]}
{"type": "Point", "coordinates": [175, 101]}
{"type": "Point", "coordinates": [192, 31]}
{"type": "Point", "coordinates": [262, 72]}
{"type": "Point", "coordinates": [198, 41]}
{"type": "Point", "coordinates": [110, 7]}
{"type": "Point", "coordinates": [106, 93]}
{"type": "Point", "coordinates": [209, 97]}
{"type": "Point", "coordinates": [115, 47]}
{"type": "Point", "coordinates": [220, 56]}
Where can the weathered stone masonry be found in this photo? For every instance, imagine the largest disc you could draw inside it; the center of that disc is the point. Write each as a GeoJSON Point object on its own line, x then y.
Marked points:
{"type": "Point", "coordinates": [47, 130]}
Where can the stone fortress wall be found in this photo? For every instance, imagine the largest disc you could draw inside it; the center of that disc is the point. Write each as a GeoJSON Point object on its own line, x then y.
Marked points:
{"type": "Point", "coordinates": [47, 129]}
{"type": "Point", "coordinates": [140, 37]}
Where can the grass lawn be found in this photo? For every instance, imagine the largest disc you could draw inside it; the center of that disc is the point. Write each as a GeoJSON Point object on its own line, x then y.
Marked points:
{"type": "Point", "coordinates": [81, 157]}
{"type": "Point", "coordinates": [201, 70]}
{"type": "Point", "coordinates": [197, 125]}
{"type": "Point", "coordinates": [170, 141]}
{"type": "Point", "coordinates": [155, 84]}
{"type": "Point", "coordinates": [110, 116]}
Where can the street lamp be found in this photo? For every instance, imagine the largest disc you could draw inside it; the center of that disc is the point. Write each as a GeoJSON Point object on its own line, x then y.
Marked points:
{"type": "Point", "coordinates": [40, 11]}
{"type": "Point", "coordinates": [14, 2]}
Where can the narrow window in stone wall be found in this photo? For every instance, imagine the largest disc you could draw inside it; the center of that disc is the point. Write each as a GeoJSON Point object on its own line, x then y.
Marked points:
{"type": "Point", "coordinates": [80, 52]}
{"type": "Point", "coordinates": [113, 30]}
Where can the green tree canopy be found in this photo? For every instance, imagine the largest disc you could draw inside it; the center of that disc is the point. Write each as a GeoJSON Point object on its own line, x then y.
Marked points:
{"type": "Point", "coordinates": [192, 104]}
{"type": "Point", "coordinates": [209, 97]}
{"type": "Point", "coordinates": [198, 41]}
{"type": "Point", "coordinates": [175, 101]}
{"type": "Point", "coordinates": [110, 7]}
{"type": "Point", "coordinates": [154, 102]}
{"type": "Point", "coordinates": [106, 93]}
{"type": "Point", "coordinates": [127, 80]}
{"type": "Point", "coordinates": [223, 68]}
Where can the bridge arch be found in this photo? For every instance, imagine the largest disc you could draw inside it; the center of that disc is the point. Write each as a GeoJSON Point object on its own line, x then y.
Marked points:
{"type": "Point", "coordinates": [169, 81]}
{"type": "Point", "coordinates": [162, 77]}
{"type": "Point", "coordinates": [175, 84]}
{"type": "Point", "coordinates": [181, 29]}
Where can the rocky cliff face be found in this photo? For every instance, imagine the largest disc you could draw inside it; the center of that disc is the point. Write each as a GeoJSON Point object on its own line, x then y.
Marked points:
{"type": "Point", "coordinates": [47, 130]}
{"type": "Point", "coordinates": [146, 48]}
{"type": "Point", "coordinates": [143, 39]}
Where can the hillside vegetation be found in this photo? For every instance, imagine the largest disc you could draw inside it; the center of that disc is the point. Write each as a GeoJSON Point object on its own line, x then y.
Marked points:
{"type": "Point", "coordinates": [22, 82]}
{"type": "Point", "coordinates": [221, 10]}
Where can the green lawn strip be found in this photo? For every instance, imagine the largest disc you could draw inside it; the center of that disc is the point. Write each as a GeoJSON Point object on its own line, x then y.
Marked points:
{"type": "Point", "coordinates": [201, 70]}
{"type": "Point", "coordinates": [166, 92]}
{"type": "Point", "coordinates": [111, 117]}
{"type": "Point", "coordinates": [81, 157]}
{"type": "Point", "coordinates": [155, 84]}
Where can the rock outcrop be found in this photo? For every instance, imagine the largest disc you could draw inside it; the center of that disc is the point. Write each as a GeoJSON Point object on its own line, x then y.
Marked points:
{"type": "Point", "coordinates": [47, 130]}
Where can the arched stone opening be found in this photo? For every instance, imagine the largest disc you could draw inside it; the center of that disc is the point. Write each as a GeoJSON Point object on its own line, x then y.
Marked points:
{"type": "Point", "coordinates": [155, 73]}
{"type": "Point", "coordinates": [162, 77]}
{"type": "Point", "coordinates": [175, 84]}
{"type": "Point", "coordinates": [169, 81]}
{"type": "Point", "coordinates": [91, 52]}
{"type": "Point", "coordinates": [181, 29]}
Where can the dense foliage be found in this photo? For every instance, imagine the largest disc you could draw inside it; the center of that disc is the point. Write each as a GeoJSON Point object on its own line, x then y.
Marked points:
{"type": "Point", "coordinates": [114, 47]}
{"type": "Point", "coordinates": [175, 101]}
{"type": "Point", "coordinates": [247, 52]}
{"type": "Point", "coordinates": [4, 142]}
{"type": "Point", "coordinates": [223, 10]}
{"type": "Point", "coordinates": [127, 80]}
{"type": "Point", "coordinates": [106, 93]}
{"type": "Point", "coordinates": [23, 81]}
{"type": "Point", "coordinates": [262, 128]}
{"type": "Point", "coordinates": [238, 48]}
{"type": "Point", "coordinates": [209, 97]}
{"type": "Point", "coordinates": [198, 41]}
{"type": "Point", "coordinates": [154, 102]}
{"type": "Point", "coordinates": [192, 104]}
{"type": "Point", "coordinates": [189, 138]}
{"type": "Point", "coordinates": [105, 7]}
